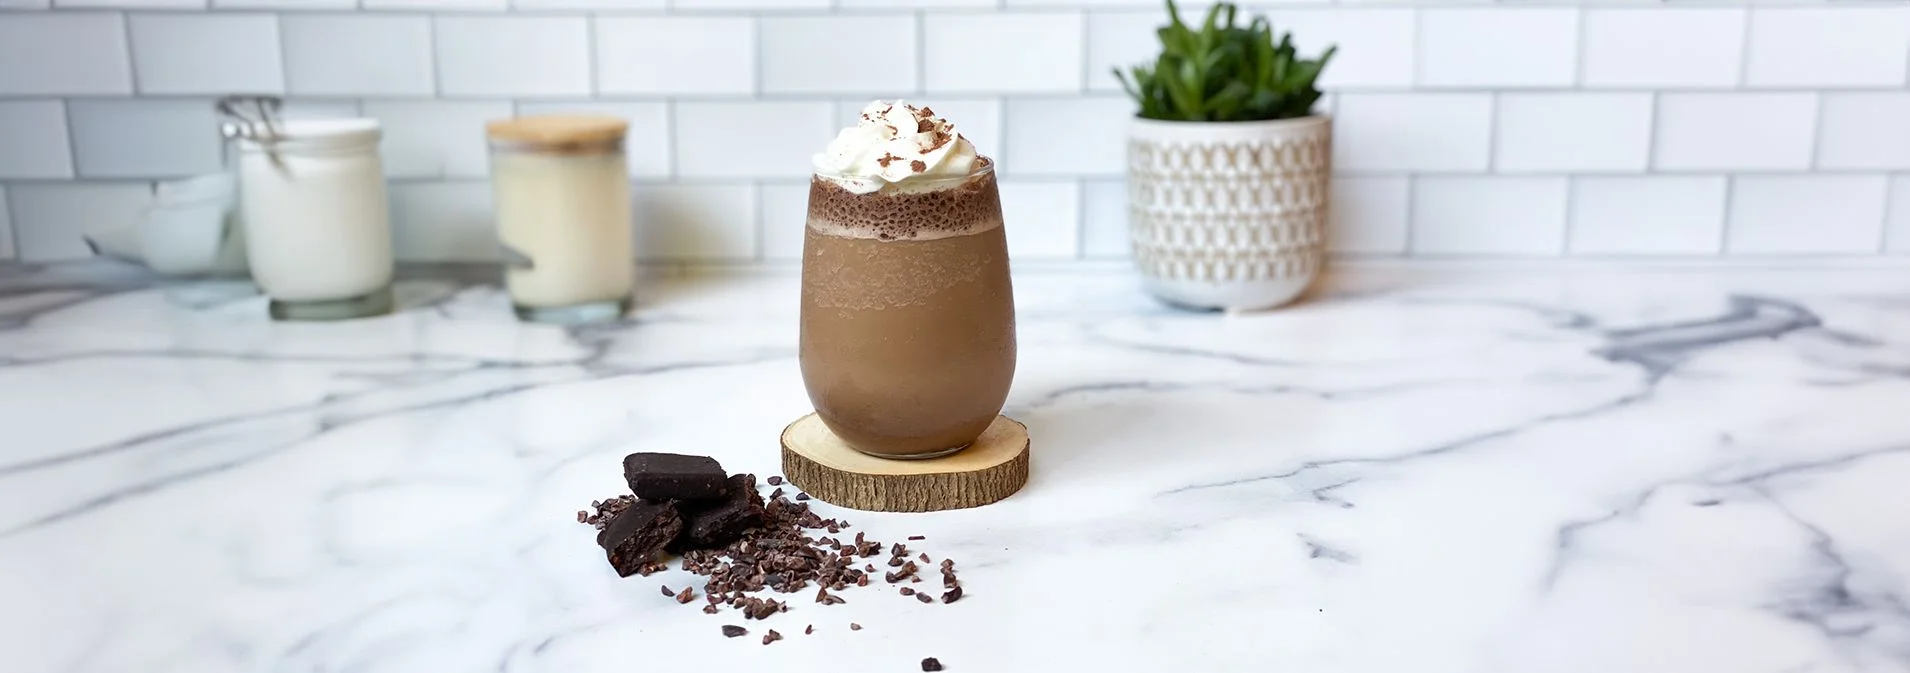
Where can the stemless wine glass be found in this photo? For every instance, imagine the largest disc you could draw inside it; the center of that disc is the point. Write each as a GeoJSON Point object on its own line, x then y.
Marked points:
{"type": "Point", "coordinates": [908, 315]}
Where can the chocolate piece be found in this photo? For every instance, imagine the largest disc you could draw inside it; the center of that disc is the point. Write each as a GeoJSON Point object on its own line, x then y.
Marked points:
{"type": "Point", "coordinates": [771, 637]}
{"type": "Point", "coordinates": [671, 476]}
{"type": "Point", "coordinates": [637, 534]}
{"type": "Point", "coordinates": [917, 537]}
{"type": "Point", "coordinates": [716, 524]}
{"type": "Point", "coordinates": [931, 664]}
{"type": "Point", "coordinates": [952, 595]}
{"type": "Point", "coordinates": [775, 480]}
{"type": "Point", "coordinates": [732, 631]}
{"type": "Point", "coordinates": [925, 598]}
{"type": "Point", "coordinates": [854, 626]}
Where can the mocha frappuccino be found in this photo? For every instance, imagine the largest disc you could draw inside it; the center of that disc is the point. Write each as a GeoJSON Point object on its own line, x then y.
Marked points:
{"type": "Point", "coordinates": [908, 324]}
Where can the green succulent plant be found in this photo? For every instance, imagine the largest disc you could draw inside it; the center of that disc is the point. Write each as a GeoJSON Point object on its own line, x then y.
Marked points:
{"type": "Point", "coordinates": [1223, 72]}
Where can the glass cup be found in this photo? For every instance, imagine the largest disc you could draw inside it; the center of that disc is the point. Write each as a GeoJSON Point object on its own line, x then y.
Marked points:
{"type": "Point", "coordinates": [908, 317]}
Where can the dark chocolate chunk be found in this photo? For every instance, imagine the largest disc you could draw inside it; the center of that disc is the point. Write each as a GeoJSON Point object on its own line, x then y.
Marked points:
{"type": "Point", "coordinates": [809, 629]}
{"type": "Point", "coordinates": [925, 598]}
{"type": "Point", "coordinates": [917, 537]}
{"type": "Point", "coordinates": [952, 595]}
{"type": "Point", "coordinates": [931, 664]}
{"type": "Point", "coordinates": [774, 480]}
{"type": "Point", "coordinates": [732, 631]}
{"type": "Point", "coordinates": [685, 596]}
{"type": "Point", "coordinates": [671, 476]}
{"type": "Point", "coordinates": [854, 626]}
{"type": "Point", "coordinates": [771, 636]}
{"type": "Point", "coordinates": [802, 496]}
{"type": "Point", "coordinates": [906, 591]}
{"type": "Point", "coordinates": [716, 524]}
{"type": "Point", "coordinates": [638, 533]}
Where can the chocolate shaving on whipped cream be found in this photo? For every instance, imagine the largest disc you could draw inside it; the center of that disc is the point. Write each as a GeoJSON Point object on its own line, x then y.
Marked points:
{"type": "Point", "coordinates": [877, 152]}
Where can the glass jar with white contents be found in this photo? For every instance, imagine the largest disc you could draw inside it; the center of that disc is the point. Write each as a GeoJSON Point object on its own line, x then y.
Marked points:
{"type": "Point", "coordinates": [562, 192]}
{"type": "Point", "coordinates": [316, 220]}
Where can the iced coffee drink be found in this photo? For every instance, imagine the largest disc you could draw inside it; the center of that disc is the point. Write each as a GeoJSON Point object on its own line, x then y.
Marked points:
{"type": "Point", "coordinates": [908, 319]}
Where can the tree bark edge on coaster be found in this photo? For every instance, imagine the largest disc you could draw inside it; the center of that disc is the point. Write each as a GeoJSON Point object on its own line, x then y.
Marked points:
{"type": "Point", "coordinates": [994, 467]}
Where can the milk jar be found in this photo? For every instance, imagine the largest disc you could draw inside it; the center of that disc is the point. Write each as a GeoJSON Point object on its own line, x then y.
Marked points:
{"type": "Point", "coordinates": [317, 227]}
{"type": "Point", "coordinates": [562, 191]}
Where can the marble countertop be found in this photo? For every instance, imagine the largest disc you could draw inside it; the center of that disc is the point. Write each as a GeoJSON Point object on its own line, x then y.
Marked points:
{"type": "Point", "coordinates": [1418, 469]}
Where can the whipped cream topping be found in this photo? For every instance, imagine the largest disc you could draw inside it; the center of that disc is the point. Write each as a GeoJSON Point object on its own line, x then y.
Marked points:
{"type": "Point", "coordinates": [893, 144]}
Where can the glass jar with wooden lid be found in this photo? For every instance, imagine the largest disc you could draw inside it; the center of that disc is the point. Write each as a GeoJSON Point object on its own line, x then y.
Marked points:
{"type": "Point", "coordinates": [562, 191]}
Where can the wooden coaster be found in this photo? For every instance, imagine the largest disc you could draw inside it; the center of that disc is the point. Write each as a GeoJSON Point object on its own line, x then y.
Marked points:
{"type": "Point", "coordinates": [992, 468]}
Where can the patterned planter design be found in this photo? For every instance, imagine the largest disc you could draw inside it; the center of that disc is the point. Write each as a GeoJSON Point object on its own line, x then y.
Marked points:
{"type": "Point", "coordinates": [1229, 215]}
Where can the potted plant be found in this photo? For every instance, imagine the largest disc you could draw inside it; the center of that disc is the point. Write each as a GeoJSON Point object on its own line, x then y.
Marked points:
{"type": "Point", "coordinates": [1228, 165]}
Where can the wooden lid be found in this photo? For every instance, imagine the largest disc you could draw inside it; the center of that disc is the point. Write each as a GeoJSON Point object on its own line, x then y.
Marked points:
{"type": "Point", "coordinates": [559, 130]}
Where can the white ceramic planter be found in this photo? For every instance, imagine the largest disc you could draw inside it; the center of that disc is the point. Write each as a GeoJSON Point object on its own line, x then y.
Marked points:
{"type": "Point", "coordinates": [1229, 215]}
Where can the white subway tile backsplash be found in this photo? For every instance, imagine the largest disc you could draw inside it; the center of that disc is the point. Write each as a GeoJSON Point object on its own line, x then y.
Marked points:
{"type": "Point", "coordinates": [208, 54]}
{"type": "Point", "coordinates": [1806, 214]}
{"type": "Point", "coordinates": [675, 55]}
{"type": "Point", "coordinates": [646, 144]}
{"type": "Point", "coordinates": [64, 54]}
{"type": "Point", "coordinates": [33, 140]}
{"type": "Point", "coordinates": [1865, 130]}
{"type": "Point", "coordinates": [1104, 220]}
{"type": "Point", "coordinates": [1488, 215]}
{"type": "Point", "coordinates": [1556, 132]}
{"type": "Point", "coordinates": [513, 55]}
{"type": "Point", "coordinates": [434, 5]}
{"type": "Point", "coordinates": [1368, 215]}
{"type": "Point", "coordinates": [770, 5]}
{"type": "Point", "coordinates": [6, 228]}
{"type": "Point", "coordinates": [784, 210]}
{"type": "Point", "coordinates": [1498, 47]}
{"type": "Point", "coordinates": [838, 54]}
{"type": "Point", "coordinates": [1047, 58]}
{"type": "Point", "coordinates": [751, 140]}
{"type": "Point", "coordinates": [1067, 136]}
{"type": "Point", "coordinates": [1735, 131]}
{"type": "Point", "coordinates": [306, 108]}
{"type": "Point", "coordinates": [1120, 40]}
{"type": "Point", "coordinates": [129, 4]}
{"type": "Point", "coordinates": [357, 55]}
{"type": "Point", "coordinates": [537, 5]}
{"type": "Point", "coordinates": [50, 220]}
{"type": "Point", "coordinates": [1663, 47]}
{"type": "Point", "coordinates": [916, 4]}
{"type": "Point", "coordinates": [436, 139]}
{"type": "Point", "coordinates": [1042, 220]}
{"type": "Point", "coordinates": [1647, 215]}
{"type": "Point", "coordinates": [1375, 44]}
{"type": "Point", "coordinates": [289, 5]}
{"type": "Point", "coordinates": [1412, 132]}
{"type": "Point", "coordinates": [1898, 233]}
{"type": "Point", "coordinates": [1828, 47]}
{"type": "Point", "coordinates": [443, 221]}
{"type": "Point", "coordinates": [145, 138]}
{"type": "Point", "coordinates": [696, 222]}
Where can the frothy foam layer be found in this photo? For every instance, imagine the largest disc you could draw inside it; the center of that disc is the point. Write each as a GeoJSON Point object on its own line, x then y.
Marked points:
{"type": "Point", "coordinates": [928, 211]}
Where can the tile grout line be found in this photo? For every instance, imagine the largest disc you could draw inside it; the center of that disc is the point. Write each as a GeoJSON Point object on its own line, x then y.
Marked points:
{"type": "Point", "coordinates": [921, 52]}
{"type": "Point", "coordinates": [437, 70]}
{"type": "Point", "coordinates": [1412, 194]}
{"type": "Point", "coordinates": [590, 55]}
{"type": "Point", "coordinates": [1724, 232]}
{"type": "Point", "coordinates": [1744, 49]}
{"type": "Point", "coordinates": [1817, 132]}
{"type": "Point", "coordinates": [132, 63]}
{"type": "Point", "coordinates": [1651, 137]}
{"type": "Point", "coordinates": [1578, 50]}
{"type": "Point", "coordinates": [1571, 202]}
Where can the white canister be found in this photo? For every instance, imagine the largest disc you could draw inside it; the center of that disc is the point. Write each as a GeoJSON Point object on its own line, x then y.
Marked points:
{"type": "Point", "coordinates": [562, 189]}
{"type": "Point", "coordinates": [317, 224]}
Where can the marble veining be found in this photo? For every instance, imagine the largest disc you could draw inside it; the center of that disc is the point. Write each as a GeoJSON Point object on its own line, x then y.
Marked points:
{"type": "Point", "coordinates": [1435, 470]}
